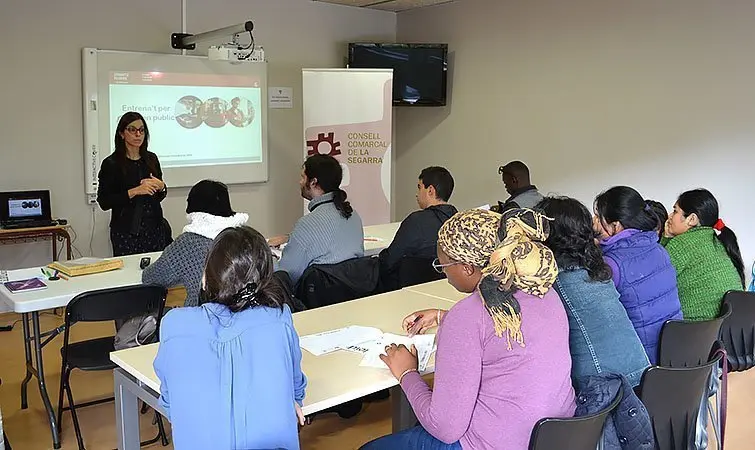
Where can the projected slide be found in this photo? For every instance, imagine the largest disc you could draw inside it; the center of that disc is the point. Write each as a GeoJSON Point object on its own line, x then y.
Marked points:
{"type": "Point", "coordinates": [193, 119]}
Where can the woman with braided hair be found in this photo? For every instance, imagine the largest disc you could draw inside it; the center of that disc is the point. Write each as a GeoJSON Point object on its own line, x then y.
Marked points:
{"type": "Point", "coordinates": [503, 359]}
{"type": "Point", "coordinates": [230, 369]}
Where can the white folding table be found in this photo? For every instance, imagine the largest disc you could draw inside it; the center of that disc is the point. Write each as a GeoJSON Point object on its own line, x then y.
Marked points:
{"type": "Point", "coordinates": [332, 379]}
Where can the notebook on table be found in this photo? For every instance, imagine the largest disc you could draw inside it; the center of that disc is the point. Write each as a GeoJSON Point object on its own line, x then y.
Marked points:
{"type": "Point", "coordinates": [31, 284]}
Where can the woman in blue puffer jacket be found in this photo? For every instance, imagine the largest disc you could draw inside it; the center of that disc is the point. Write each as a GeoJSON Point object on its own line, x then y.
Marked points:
{"type": "Point", "coordinates": [642, 270]}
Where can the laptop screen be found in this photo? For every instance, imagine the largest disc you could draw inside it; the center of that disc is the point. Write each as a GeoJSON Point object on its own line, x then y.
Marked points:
{"type": "Point", "coordinates": [24, 206]}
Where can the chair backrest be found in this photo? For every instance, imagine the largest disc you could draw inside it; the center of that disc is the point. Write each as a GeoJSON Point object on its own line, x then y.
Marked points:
{"type": "Point", "coordinates": [672, 398]}
{"type": "Point", "coordinates": [328, 284]}
{"type": "Point", "coordinates": [738, 330]}
{"type": "Point", "coordinates": [686, 343]}
{"type": "Point", "coordinates": [575, 433]}
{"type": "Point", "coordinates": [116, 304]}
{"type": "Point", "coordinates": [413, 271]}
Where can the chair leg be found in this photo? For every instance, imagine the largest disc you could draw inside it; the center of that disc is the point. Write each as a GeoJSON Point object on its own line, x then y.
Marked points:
{"type": "Point", "coordinates": [75, 418]}
{"type": "Point", "coordinates": [64, 372]}
{"type": "Point", "coordinates": [161, 428]}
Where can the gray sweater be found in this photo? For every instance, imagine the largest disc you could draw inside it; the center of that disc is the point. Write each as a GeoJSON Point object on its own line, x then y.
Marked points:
{"type": "Point", "coordinates": [182, 263]}
{"type": "Point", "coordinates": [323, 236]}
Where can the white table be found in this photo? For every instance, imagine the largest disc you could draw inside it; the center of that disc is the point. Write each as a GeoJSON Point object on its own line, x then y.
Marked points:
{"type": "Point", "coordinates": [441, 289]}
{"type": "Point", "coordinates": [378, 237]}
{"type": "Point", "coordinates": [58, 294]}
{"type": "Point", "coordinates": [332, 379]}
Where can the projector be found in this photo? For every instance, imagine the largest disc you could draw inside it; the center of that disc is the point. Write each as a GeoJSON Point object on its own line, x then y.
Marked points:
{"type": "Point", "coordinates": [235, 54]}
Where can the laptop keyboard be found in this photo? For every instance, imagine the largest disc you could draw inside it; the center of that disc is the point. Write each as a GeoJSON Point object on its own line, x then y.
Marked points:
{"type": "Point", "coordinates": [29, 224]}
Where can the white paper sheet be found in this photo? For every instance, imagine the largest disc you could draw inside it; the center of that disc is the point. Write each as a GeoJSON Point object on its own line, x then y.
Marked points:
{"type": "Point", "coordinates": [341, 338]}
{"type": "Point", "coordinates": [425, 344]}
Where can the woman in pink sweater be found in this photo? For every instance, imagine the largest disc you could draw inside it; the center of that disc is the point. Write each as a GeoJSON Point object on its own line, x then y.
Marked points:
{"type": "Point", "coordinates": [503, 357]}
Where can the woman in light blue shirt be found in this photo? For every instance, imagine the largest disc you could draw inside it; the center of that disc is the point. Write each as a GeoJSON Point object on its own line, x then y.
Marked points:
{"type": "Point", "coordinates": [230, 370]}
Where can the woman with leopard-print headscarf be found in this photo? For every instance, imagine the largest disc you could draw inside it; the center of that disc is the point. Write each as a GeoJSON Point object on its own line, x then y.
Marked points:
{"type": "Point", "coordinates": [503, 359]}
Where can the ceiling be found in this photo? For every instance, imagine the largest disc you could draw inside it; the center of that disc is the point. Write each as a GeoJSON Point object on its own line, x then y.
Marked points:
{"type": "Point", "coordinates": [388, 5]}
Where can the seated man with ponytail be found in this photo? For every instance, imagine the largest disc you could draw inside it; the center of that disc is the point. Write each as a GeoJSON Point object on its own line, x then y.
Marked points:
{"type": "Point", "coordinates": [705, 253]}
{"type": "Point", "coordinates": [332, 231]}
{"type": "Point", "coordinates": [503, 359]}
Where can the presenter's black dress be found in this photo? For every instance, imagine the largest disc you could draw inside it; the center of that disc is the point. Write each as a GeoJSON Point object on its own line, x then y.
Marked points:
{"type": "Point", "coordinates": [137, 224]}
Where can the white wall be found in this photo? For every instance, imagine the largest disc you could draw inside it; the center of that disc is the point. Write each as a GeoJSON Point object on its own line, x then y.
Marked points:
{"type": "Point", "coordinates": [590, 94]}
{"type": "Point", "coordinates": [40, 87]}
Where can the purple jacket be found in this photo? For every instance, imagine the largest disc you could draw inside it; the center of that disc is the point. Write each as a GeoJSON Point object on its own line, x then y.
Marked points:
{"type": "Point", "coordinates": [646, 281]}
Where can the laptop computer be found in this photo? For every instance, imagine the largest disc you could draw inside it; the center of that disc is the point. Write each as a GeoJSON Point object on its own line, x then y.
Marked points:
{"type": "Point", "coordinates": [25, 209]}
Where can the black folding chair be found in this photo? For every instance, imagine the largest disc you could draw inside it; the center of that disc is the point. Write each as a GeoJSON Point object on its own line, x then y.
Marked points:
{"type": "Point", "coordinates": [575, 433]}
{"type": "Point", "coordinates": [117, 304]}
{"type": "Point", "coordinates": [672, 398]}
{"type": "Point", "coordinates": [687, 343]}
{"type": "Point", "coordinates": [738, 330]}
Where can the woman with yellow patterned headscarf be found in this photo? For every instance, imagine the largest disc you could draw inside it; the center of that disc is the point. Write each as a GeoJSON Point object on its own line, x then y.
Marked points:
{"type": "Point", "coordinates": [503, 359]}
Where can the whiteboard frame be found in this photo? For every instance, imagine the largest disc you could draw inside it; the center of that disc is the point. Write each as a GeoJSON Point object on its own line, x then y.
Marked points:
{"type": "Point", "coordinates": [94, 152]}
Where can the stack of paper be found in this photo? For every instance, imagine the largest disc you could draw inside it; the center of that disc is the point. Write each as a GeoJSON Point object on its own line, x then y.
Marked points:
{"type": "Point", "coordinates": [424, 343]}
{"type": "Point", "coordinates": [368, 341]}
{"type": "Point", "coordinates": [339, 339]}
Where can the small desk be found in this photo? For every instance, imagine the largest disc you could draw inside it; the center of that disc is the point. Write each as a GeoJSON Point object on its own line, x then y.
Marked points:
{"type": "Point", "coordinates": [55, 234]}
{"type": "Point", "coordinates": [57, 295]}
{"type": "Point", "coordinates": [332, 379]}
{"type": "Point", "coordinates": [439, 289]}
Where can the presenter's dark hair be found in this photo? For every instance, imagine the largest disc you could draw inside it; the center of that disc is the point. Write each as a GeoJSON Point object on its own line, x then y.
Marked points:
{"type": "Point", "coordinates": [439, 178]}
{"type": "Point", "coordinates": [327, 172]}
{"type": "Point", "coordinates": [120, 143]}
{"type": "Point", "coordinates": [239, 271]}
{"type": "Point", "coordinates": [702, 203]}
{"type": "Point", "coordinates": [625, 205]}
{"type": "Point", "coordinates": [572, 238]}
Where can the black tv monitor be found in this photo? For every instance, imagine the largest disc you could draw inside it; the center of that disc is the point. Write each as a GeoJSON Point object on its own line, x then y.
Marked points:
{"type": "Point", "coordinates": [419, 70]}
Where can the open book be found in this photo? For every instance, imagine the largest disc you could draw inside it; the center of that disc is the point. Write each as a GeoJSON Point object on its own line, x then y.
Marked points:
{"type": "Point", "coordinates": [86, 266]}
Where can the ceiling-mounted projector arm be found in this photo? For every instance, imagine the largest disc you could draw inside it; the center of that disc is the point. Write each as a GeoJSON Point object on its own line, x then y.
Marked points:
{"type": "Point", "coordinates": [184, 41]}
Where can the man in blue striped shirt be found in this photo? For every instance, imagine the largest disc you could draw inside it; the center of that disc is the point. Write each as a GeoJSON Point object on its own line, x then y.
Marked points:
{"type": "Point", "coordinates": [332, 231]}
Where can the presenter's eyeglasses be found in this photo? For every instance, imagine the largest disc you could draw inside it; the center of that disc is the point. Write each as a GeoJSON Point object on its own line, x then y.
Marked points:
{"type": "Point", "coordinates": [134, 130]}
{"type": "Point", "coordinates": [440, 267]}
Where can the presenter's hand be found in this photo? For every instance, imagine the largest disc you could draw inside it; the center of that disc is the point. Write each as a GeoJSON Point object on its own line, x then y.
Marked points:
{"type": "Point", "coordinates": [155, 183]}
{"type": "Point", "coordinates": [399, 359]}
{"type": "Point", "coordinates": [160, 184]}
{"type": "Point", "coordinates": [277, 241]}
{"type": "Point", "coordinates": [142, 189]}
{"type": "Point", "coordinates": [421, 321]}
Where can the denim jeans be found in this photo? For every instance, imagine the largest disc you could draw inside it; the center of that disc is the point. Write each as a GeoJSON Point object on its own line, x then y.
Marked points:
{"type": "Point", "coordinates": [412, 439]}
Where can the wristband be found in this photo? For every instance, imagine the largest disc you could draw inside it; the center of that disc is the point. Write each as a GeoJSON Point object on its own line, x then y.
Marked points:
{"type": "Point", "coordinates": [401, 378]}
